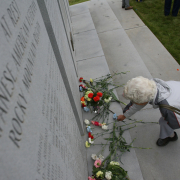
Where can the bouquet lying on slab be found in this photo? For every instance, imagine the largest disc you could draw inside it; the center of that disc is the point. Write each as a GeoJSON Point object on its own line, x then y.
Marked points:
{"type": "Point", "coordinates": [97, 94]}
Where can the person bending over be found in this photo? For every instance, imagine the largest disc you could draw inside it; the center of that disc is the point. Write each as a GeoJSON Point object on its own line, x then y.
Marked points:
{"type": "Point", "coordinates": [141, 91]}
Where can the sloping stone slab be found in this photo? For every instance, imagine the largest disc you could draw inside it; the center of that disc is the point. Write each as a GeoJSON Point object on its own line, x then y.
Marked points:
{"type": "Point", "coordinates": [121, 56]}
{"type": "Point", "coordinates": [127, 18]}
{"type": "Point", "coordinates": [103, 17]}
{"type": "Point", "coordinates": [79, 9]}
{"type": "Point", "coordinates": [158, 60]}
{"type": "Point", "coordinates": [87, 45]}
{"type": "Point", "coordinates": [82, 23]}
{"type": "Point", "coordinates": [93, 68]}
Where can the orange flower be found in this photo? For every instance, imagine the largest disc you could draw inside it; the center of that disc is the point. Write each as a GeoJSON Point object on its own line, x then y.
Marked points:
{"type": "Point", "coordinates": [82, 99]}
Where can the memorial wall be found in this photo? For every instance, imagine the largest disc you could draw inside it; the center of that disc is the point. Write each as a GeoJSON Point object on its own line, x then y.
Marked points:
{"type": "Point", "coordinates": [40, 118]}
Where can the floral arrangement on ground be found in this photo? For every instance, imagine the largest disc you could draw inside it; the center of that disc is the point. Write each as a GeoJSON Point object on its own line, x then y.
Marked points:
{"type": "Point", "coordinates": [97, 94]}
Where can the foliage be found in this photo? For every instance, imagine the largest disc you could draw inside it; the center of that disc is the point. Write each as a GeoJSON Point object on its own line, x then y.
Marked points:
{"type": "Point", "coordinates": [72, 2]}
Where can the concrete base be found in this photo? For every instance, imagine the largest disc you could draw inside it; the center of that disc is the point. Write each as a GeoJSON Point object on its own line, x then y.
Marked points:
{"type": "Point", "coordinates": [92, 65]}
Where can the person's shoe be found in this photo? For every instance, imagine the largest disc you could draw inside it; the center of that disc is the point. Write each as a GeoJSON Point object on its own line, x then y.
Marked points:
{"type": "Point", "coordinates": [128, 8]}
{"type": "Point", "coordinates": [173, 138]}
{"type": "Point", "coordinates": [164, 142]}
{"type": "Point", "coordinates": [123, 6]}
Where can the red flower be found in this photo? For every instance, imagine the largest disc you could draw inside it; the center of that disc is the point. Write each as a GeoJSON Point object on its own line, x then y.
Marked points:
{"type": "Point", "coordinates": [90, 95]}
{"type": "Point", "coordinates": [92, 137]}
{"type": "Point", "coordinates": [97, 98]}
{"type": "Point", "coordinates": [82, 86]}
{"type": "Point", "coordinates": [99, 94]}
{"type": "Point", "coordinates": [96, 123]}
{"type": "Point", "coordinates": [80, 79]}
{"type": "Point", "coordinates": [83, 105]}
{"type": "Point", "coordinates": [89, 134]}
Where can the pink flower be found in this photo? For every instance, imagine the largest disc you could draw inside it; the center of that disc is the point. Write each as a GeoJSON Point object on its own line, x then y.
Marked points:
{"type": "Point", "coordinates": [91, 178]}
{"type": "Point", "coordinates": [97, 163]}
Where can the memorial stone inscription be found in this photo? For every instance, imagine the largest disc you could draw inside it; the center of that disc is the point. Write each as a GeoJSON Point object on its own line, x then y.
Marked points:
{"type": "Point", "coordinates": [39, 135]}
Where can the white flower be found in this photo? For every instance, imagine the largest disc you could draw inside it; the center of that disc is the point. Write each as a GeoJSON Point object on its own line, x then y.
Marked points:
{"type": "Point", "coordinates": [114, 163]}
{"type": "Point", "coordinates": [101, 157]}
{"type": "Point", "coordinates": [94, 156]}
{"type": "Point", "coordinates": [108, 175]}
{"type": "Point", "coordinates": [106, 100]}
{"type": "Point", "coordinates": [109, 98]}
{"type": "Point", "coordinates": [104, 127]}
{"type": "Point", "coordinates": [90, 141]}
{"type": "Point", "coordinates": [86, 121]}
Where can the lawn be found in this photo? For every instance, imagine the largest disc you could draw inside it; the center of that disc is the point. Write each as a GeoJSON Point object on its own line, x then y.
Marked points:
{"type": "Point", "coordinates": [165, 28]}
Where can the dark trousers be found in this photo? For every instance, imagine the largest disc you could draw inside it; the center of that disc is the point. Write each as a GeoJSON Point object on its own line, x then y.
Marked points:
{"type": "Point", "coordinates": [167, 7]}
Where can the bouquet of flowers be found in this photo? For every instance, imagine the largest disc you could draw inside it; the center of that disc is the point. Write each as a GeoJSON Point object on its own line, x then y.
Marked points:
{"type": "Point", "coordinates": [112, 171]}
{"type": "Point", "coordinates": [96, 93]}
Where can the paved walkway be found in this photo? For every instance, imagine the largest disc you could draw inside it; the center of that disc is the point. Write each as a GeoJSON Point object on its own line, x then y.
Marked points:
{"type": "Point", "coordinates": [125, 44]}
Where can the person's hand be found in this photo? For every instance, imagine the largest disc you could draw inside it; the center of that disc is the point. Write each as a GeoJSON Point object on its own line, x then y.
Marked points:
{"type": "Point", "coordinates": [121, 117]}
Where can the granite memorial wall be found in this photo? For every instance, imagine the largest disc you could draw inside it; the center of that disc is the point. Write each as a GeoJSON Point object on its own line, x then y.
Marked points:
{"type": "Point", "coordinates": [40, 119]}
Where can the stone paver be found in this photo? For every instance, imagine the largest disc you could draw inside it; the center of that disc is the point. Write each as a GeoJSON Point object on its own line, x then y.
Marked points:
{"type": "Point", "coordinates": [87, 45]}
{"type": "Point", "coordinates": [93, 68]}
{"type": "Point", "coordinates": [103, 17]}
{"type": "Point", "coordinates": [127, 18]}
{"type": "Point", "coordinates": [82, 23]}
{"type": "Point", "coordinates": [158, 60]}
{"type": "Point", "coordinates": [79, 9]}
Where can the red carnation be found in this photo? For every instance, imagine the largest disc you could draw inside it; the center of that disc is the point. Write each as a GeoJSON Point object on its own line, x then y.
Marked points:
{"type": "Point", "coordinates": [80, 79]}
{"type": "Point", "coordinates": [97, 98]}
{"type": "Point", "coordinates": [96, 123]}
{"type": "Point", "coordinates": [92, 137]}
{"type": "Point", "coordinates": [90, 95]}
{"type": "Point", "coordinates": [99, 94]}
{"type": "Point", "coordinates": [82, 86]}
{"type": "Point", "coordinates": [89, 135]}
{"type": "Point", "coordinates": [83, 105]}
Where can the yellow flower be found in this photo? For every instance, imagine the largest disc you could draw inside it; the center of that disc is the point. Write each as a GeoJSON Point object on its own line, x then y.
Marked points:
{"type": "Point", "coordinates": [89, 99]}
{"type": "Point", "coordinates": [99, 173]}
{"type": "Point", "coordinates": [87, 144]}
{"type": "Point", "coordinates": [86, 97]}
{"type": "Point", "coordinates": [91, 80]}
{"type": "Point", "coordinates": [87, 92]}
{"type": "Point", "coordinates": [83, 102]}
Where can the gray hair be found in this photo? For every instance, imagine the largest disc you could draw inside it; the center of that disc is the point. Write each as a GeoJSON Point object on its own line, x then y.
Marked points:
{"type": "Point", "coordinates": [140, 90]}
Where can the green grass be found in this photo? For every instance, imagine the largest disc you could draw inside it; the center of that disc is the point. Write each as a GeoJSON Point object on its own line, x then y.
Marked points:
{"type": "Point", "coordinates": [165, 28]}
{"type": "Point", "coordinates": [72, 2]}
